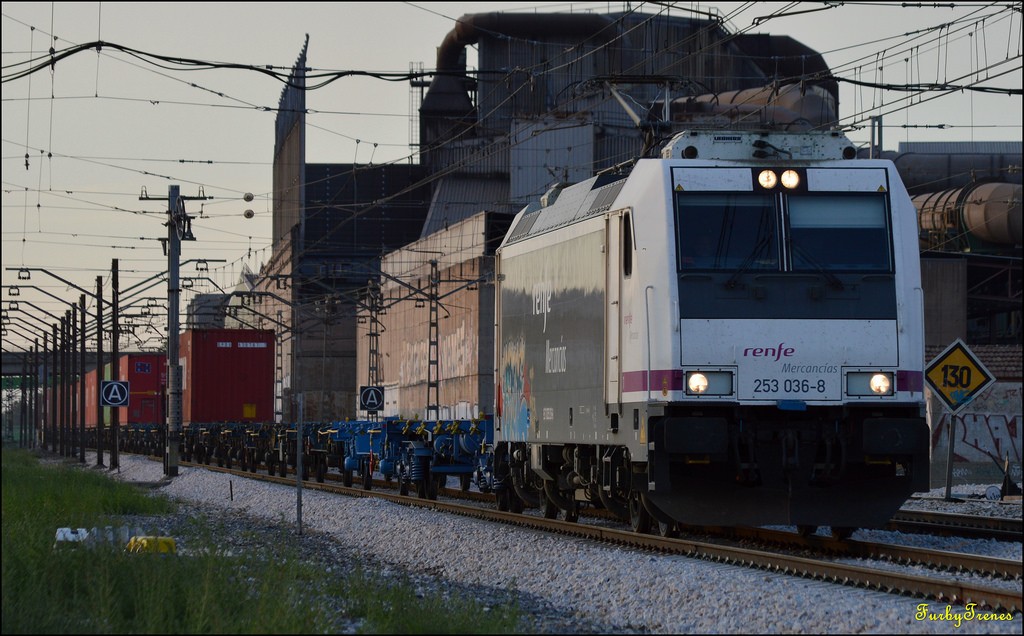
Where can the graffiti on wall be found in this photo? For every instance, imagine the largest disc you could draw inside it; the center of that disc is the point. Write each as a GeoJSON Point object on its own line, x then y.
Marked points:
{"type": "Point", "coordinates": [456, 358]}
{"type": "Point", "coordinates": [985, 434]}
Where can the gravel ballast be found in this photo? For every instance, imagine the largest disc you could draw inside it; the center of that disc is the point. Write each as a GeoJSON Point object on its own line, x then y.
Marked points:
{"type": "Point", "coordinates": [562, 585]}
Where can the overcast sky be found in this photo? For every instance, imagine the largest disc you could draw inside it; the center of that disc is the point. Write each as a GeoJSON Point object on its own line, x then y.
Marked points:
{"type": "Point", "coordinates": [101, 126]}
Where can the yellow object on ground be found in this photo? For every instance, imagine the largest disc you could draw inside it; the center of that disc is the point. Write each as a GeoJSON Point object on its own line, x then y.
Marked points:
{"type": "Point", "coordinates": [160, 545]}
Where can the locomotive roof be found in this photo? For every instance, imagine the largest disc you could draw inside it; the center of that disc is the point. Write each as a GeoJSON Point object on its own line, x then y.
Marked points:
{"type": "Point", "coordinates": [573, 203]}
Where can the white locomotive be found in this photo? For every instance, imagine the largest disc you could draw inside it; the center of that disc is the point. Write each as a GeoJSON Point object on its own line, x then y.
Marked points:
{"type": "Point", "coordinates": [731, 334]}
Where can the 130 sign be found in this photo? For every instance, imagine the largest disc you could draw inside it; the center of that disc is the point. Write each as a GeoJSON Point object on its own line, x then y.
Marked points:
{"type": "Point", "coordinates": [957, 376]}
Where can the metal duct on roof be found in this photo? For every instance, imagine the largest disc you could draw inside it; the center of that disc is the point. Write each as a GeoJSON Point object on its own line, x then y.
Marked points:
{"type": "Point", "coordinates": [469, 27]}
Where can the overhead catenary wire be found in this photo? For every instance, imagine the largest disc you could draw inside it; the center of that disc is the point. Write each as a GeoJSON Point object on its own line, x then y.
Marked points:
{"type": "Point", "coordinates": [156, 214]}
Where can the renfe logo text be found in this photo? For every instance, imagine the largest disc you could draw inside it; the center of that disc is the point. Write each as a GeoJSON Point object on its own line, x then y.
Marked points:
{"type": "Point", "coordinates": [542, 301]}
{"type": "Point", "coordinates": [769, 352]}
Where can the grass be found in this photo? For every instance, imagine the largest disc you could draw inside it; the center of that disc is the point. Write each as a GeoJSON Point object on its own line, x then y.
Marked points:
{"type": "Point", "coordinates": [108, 591]}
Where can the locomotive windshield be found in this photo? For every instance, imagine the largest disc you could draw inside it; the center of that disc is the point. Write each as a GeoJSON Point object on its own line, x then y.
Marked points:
{"type": "Point", "coordinates": [848, 231]}
{"type": "Point", "coordinates": [728, 231]}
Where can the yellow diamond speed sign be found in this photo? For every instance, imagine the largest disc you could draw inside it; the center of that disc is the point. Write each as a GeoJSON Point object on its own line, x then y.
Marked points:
{"type": "Point", "coordinates": [957, 376]}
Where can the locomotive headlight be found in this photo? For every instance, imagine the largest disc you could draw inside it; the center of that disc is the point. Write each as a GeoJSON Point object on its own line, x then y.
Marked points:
{"type": "Point", "coordinates": [697, 383]}
{"type": "Point", "coordinates": [767, 179]}
{"type": "Point", "coordinates": [708, 383]}
{"type": "Point", "coordinates": [880, 384]}
{"type": "Point", "coordinates": [790, 179]}
{"type": "Point", "coordinates": [869, 383]}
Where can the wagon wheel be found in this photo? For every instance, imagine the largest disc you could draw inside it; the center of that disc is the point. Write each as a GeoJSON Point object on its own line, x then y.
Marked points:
{"type": "Point", "coordinates": [842, 533]}
{"type": "Point", "coordinates": [321, 468]}
{"type": "Point", "coordinates": [427, 487]}
{"type": "Point", "coordinates": [515, 502]}
{"type": "Point", "coordinates": [366, 475]}
{"type": "Point", "coordinates": [434, 484]}
{"type": "Point", "coordinates": [805, 530]}
{"type": "Point", "coordinates": [667, 530]}
{"type": "Point", "coordinates": [639, 519]}
{"type": "Point", "coordinates": [503, 497]}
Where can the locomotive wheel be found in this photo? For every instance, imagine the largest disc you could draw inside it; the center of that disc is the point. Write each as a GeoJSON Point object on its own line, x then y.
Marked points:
{"type": "Point", "coordinates": [561, 502]}
{"type": "Point", "coordinates": [639, 518]}
{"type": "Point", "coordinates": [613, 504]}
{"type": "Point", "coordinates": [403, 487]}
{"type": "Point", "coordinates": [667, 530]}
{"type": "Point", "coordinates": [842, 533]}
{"type": "Point", "coordinates": [465, 481]}
{"type": "Point", "coordinates": [548, 507]}
{"type": "Point", "coordinates": [284, 468]}
{"type": "Point", "coordinates": [346, 478]}
{"type": "Point", "coordinates": [806, 531]}
{"type": "Point", "coordinates": [421, 488]}
{"type": "Point", "coordinates": [321, 469]}
{"type": "Point", "coordinates": [503, 498]}
{"type": "Point", "coordinates": [254, 461]}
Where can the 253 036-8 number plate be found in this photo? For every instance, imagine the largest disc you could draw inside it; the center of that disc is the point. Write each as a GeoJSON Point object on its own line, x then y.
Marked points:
{"type": "Point", "coordinates": [803, 387]}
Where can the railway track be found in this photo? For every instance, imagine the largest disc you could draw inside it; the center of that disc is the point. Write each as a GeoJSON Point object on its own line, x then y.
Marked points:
{"type": "Point", "coordinates": [972, 526]}
{"type": "Point", "coordinates": [774, 549]}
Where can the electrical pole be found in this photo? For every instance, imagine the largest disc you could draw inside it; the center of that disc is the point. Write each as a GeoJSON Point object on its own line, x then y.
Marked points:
{"type": "Point", "coordinates": [173, 435]}
{"type": "Point", "coordinates": [62, 393]}
{"type": "Point", "coordinates": [81, 384]}
{"type": "Point", "coordinates": [51, 411]}
{"type": "Point", "coordinates": [115, 367]}
{"type": "Point", "coordinates": [433, 342]}
{"type": "Point", "coordinates": [179, 228]}
{"type": "Point", "coordinates": [99, 372]}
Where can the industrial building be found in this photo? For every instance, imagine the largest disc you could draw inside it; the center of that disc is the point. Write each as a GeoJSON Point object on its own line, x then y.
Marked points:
{"type": "Point", "coordinates": [379, 273]}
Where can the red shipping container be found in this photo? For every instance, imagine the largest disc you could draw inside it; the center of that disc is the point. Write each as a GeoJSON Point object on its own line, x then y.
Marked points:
{"type": "Point", "coordinates": [92, 378]}
{"type": "Point", "coordinates": [91, 398]}
{"type": "Point", "coordinates": [146, 374]}
{"type": "Point", "coordinates": [227, 375]}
